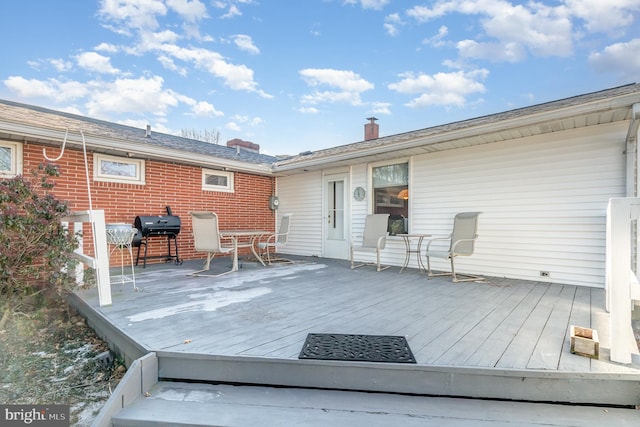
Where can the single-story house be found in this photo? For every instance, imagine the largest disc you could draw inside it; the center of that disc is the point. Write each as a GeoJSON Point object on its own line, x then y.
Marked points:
{"type": "Point", "coordinates": [137, 172]}
{"type": "Point", "coordinates": [541, 176]}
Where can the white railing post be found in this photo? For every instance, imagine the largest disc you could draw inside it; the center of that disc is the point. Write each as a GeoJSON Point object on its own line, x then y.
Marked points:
{"type": "Point", "coordinates": [100, 261]}
{"type": "Point", "coordinates": [620, 280]}
{"type": "Point", "coordinates": [101, 257]}
{"type": "Point", "coordinates": [77, 228]}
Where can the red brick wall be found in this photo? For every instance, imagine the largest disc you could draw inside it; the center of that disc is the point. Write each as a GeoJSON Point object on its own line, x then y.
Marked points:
{"type": "Point", "coordinates": [167, 184]}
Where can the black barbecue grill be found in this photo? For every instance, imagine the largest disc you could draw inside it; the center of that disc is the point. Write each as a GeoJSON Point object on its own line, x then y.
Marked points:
{"type": "Point", "coordinates": [157, 226]}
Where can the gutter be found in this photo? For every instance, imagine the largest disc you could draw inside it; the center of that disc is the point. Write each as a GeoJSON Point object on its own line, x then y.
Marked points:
{"type": "Point", "coordinates": [133, 150]}
{"type": "Point", "coordinates": [439, 134]}
{"type": "Point", "coordinates": [632, 152]}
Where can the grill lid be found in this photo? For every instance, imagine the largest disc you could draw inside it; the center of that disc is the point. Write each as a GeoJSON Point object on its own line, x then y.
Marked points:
{"type": "Point", "coordinates": [158, 224]}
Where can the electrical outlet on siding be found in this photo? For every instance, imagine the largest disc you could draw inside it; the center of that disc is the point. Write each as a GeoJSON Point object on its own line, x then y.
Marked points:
{"type": "Point", "coordinates": [545, 274]}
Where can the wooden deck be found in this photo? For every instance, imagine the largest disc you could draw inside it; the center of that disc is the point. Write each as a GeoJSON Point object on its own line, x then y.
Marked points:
{"type": "Point", "coordinates": [504, 339]}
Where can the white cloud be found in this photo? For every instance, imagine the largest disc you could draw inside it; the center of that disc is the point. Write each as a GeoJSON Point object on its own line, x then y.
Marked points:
{"type": "Point", "coordinates": [61, 65]}
{"type": "Point", "coordinates": [233, 126]}
{"type": "Point", "coordinates": [230, 6]}
{"type": "Point", "coordinates": [237, 77]}
{"type": "Point", "coordinates": [240, 118]}
{"type": "Point", "coordinates": [610, 16]}
{"type": "Point", "coordinates": [137, 14]}
{"type": "Point", "coordinates": [622, 59]}
{"type": "Point", "coordinates": [52, 89]}
{"type": "Point", "coordinates": [509, 52]}
{"type": "Point", "coordinates": [543, 30]}
{"type": "Point", "coordinates": [391, 23]}
{"type": "Point", "coordinates": [106, 47]}
{"type": "Point", "coordinates": [369, 4]}
{"type": "Point", "coordinates": [190, 10]}
{"type": "Point", "coordinates": [518, 28]}
{"type": "Point", "coordinates": [437, 40]}
{"type": "Point", "coordinates": [342, 79]}
{"type": "Point", "coordinates": [349, 84]}
{"type": "Point", "coordinates": [380, 108]}
{"type": "Point", "coordinates": [93, 61]}
{"type": "Point", "coordinates": [308, 110]}
{"type": "Point", "coordinates": [256, 121]}
{"type": "Point", "coordinates": [205, 109]}
{"type": "Point", "coordinates": [245, 43]}
{"type": "Point", "coordinates": [137, 96]}
{"type": "Point", "coordinates": [169, 64]}
{"type": "Point", "coordinates": [150, 40]}
{"type": "Point", "coordinates": [332, 97]}
{"type": "Point", "coordinates": [446, 89]}
{"type": "Point", "coordinates": [140, 16]}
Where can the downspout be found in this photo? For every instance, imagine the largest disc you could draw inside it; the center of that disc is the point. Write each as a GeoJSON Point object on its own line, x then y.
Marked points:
{"type": "Point", "coordinates": [633, 177]}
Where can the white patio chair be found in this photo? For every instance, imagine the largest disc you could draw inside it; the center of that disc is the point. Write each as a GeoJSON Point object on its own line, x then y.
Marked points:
{"type": "Point", "coordinates": [269, 243]}
{"type": "Point", "coordinates": [461, 243]}
{"type": "Point", "coordinates": [206, 238]}
{"type": "Point", "coordinates": [374, 239]}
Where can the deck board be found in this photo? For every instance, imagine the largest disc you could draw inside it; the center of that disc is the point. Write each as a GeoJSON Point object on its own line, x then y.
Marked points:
{"type": "Point", "coordinates": [501, 324]}
{"type": "Point", "coordinates": [546, 354]}
{"type": "Point", "coordinates": [482, 332]}
{"type": "Point", "coordinates": [580, 316]}
{"type": "Point", "coordinates": [493, 348]}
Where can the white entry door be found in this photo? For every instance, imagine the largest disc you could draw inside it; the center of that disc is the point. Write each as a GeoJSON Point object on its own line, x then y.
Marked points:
{"type": "Point", "coordinates": [336, 239]}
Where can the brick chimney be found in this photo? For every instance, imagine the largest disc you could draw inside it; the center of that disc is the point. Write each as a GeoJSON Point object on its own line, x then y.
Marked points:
{"type": "Point", "coordinates": [243, 145]}
{"type": "Point", "coordinates": [371, 129]}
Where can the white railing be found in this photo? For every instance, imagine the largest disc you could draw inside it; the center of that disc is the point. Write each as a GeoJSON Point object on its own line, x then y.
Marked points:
{"type": "Point", "coordinates": [100, 261]}
{"type": "Point", "coordinates": [622, 287]}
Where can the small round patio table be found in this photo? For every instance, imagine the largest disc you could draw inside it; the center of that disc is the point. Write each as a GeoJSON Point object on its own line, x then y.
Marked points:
{"type": "Point", "coordinates": [408, 249]}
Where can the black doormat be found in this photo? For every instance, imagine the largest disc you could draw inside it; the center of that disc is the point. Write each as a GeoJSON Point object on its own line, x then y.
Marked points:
{"type": "Point", "coordinates": [366, 348]}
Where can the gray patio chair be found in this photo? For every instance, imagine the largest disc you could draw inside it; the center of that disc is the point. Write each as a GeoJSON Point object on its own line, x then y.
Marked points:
{"type": "Point", "coordinates": [269, 243]}
{"type": "Point", "coordinates": [206, 238]}
{"type": "Point", "coordinates": [374, 239]}
{"type": "Point", "coordinates": [461, 243]}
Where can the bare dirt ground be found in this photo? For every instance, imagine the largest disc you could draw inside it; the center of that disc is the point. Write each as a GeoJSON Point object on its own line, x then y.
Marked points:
{"type": "Point", "coordinates": [49, 355]}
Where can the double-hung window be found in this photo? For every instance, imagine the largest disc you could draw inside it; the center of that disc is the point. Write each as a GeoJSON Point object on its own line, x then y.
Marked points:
{"type": "Point", "coordinates": [391, 195]}
{"type": "Point", "coordinates": [10, 159]}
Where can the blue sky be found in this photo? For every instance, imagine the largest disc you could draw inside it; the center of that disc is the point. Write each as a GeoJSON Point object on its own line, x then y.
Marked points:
{"type": "Point", "coordinates": [298, 75]}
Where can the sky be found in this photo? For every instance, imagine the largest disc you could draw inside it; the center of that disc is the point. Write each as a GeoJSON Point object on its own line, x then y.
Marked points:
{"type": "Point", "coordinates": [299, 75]}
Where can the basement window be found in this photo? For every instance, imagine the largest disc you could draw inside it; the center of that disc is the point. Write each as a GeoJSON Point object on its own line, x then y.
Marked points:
{"type": "Point", "coordinates": [10, 159]}
{"type": "Point", "coordinates": [213, 180]}
{"type": "Point", "coordinates": [118, 169]}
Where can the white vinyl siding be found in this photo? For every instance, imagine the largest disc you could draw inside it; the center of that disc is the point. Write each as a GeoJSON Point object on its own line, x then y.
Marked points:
{"type": "Point", "coordinates": [543, 202]}
{"type": "Point", "coordinates": [301, 195]}
{"type": "Point", "coordinates": [394, 253]}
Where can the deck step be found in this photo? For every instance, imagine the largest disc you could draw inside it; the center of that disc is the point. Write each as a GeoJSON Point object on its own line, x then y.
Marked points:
{"type": "Point", "coordinates": [198, 404]}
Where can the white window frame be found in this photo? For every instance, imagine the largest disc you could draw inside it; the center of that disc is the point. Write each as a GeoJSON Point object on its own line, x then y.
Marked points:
{"type": "Point", "coordinates": [401, 204]}
{"type": "Point", "coordinates": [137, 178]}
{"type": "Point", "coordinates": [229, 188]}
{"type": "Point", "coordinates": [17, 161]}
